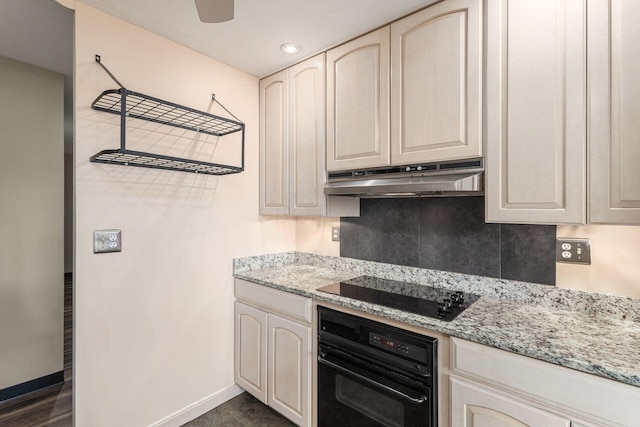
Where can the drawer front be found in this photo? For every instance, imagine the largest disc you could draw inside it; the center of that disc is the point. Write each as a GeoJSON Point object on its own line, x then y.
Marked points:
{"type": "Point", "coordinates": [599, 399]}
{"type": "Point", "coordinates": [275, 301]}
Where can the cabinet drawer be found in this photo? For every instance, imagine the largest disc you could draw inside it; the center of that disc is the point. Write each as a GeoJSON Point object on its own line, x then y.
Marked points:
{"type": "Point", "coordinates": [293, 306]}
{"type": "Point", "coordinates": [598, 399]}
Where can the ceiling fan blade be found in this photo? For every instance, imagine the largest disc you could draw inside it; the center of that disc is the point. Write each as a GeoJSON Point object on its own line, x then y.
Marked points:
{"type": "Point", "coordinates": [213, 11]}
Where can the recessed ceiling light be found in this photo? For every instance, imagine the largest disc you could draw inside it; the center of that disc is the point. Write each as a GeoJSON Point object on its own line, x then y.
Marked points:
{"type": "Point", "coordinates": [289, 48]}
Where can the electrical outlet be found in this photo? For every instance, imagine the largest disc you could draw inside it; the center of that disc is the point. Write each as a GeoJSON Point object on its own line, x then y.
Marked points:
{"type": "Point", "coordinates": [107, 241]}
{"type": "Point", "coordinates": [335, 233]}
{"type": "Point", "coordinates": [577, 251]}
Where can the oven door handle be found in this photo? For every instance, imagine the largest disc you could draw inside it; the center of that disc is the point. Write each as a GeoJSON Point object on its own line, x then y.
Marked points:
{"type": "Point", "coordinates": [372, 382]}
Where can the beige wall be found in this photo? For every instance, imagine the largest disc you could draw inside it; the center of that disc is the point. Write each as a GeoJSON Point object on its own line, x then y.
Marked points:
{"type": "Point", "coordinates": [31, 222]}
{"type": "Point", "coordinates": [313, 235]}
{"type": "Point", "coordinates": [615, 260]}
{"type": "Point", "coordinates": [154, 323]}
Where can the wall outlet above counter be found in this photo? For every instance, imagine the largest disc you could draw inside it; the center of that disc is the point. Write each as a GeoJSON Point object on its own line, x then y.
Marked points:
{"type": "Point", "coordinates": [577, 251]}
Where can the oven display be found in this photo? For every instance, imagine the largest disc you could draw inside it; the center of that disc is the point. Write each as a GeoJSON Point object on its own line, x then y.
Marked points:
{"type": "Point", "coordinates": [381, 341]}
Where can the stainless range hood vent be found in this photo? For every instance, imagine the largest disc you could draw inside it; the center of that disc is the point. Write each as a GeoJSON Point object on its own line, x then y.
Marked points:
{"type": "Point", "coordinates": [453, 178]}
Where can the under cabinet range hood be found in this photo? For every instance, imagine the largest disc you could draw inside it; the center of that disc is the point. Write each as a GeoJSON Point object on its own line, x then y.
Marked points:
{"type": "Point", "coordinates": [451, 178]}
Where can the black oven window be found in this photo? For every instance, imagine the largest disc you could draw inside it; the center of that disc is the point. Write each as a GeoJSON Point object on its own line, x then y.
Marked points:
{"type": "Point", "coordinates": [386, 411]}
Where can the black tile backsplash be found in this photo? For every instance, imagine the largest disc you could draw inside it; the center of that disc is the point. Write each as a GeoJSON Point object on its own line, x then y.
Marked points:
{"type": "Point", "coordinates": [449, 233]}
{"type": "Point", "coordinates": [390, 230]}
{"type": "Point", "coordinates": [528, 253]}
{"type": "Point", "coordinates": [454, 236]}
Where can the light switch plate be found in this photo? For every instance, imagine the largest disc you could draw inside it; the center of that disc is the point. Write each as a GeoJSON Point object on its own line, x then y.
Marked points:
{"type": "Point", "coordinates": [107, 241]}
{"type": "Point", "coordinates": [575, 251]}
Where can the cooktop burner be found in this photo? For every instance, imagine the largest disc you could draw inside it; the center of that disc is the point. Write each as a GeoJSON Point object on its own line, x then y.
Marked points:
{"type": "Point", "coordinates": [438, 303]}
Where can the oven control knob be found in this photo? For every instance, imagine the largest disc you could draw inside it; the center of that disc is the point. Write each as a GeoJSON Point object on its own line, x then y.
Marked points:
{"type": "Point", "coordinates": [457, 298]}
{"type": "Point", "coordinates": [444, 308]}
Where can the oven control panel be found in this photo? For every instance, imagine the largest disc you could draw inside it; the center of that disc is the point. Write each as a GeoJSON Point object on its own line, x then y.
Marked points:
{"type": "Point", "coordinates": [396, 346]}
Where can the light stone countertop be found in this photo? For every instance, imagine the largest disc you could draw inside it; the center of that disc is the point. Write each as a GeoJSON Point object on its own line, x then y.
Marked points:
{"type": "Point", "coordinates": [593, 333]}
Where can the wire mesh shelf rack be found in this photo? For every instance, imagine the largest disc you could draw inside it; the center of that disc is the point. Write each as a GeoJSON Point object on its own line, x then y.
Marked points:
{"type": "Point", "coordinates": [128, 104]}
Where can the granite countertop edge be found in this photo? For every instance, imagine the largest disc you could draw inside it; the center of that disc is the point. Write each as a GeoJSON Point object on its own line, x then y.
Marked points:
{"type": "Point", "coordinates": [536, 322]}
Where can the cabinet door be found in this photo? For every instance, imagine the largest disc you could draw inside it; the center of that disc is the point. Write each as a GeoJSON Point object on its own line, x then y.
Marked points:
{"type": "Point", "coordinates": [436, 85]}
{"type": "Point", "coordinates": [274, 154]}
{"type": "Point", "coordinates": [289, 376]}
{"type": "Point", "coordinates": [614, 111]}
{"type": "Point", "coordinates": [251, 350]}
{"type": "Point", "coordinates": [476, 406]}
{"type": "Point", "coordinates": [358, 103]}
{"type": "Point", "coordinates": [536, 111]}
{"type": "Point", "coordinates": [306, 137]}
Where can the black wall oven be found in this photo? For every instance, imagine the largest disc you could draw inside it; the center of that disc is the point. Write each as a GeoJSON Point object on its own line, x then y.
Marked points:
{"type": "Point", "coordinates": [371, 374]}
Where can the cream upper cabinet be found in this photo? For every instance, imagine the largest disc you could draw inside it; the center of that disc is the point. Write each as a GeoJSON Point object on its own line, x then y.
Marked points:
{"type": "Point", "coordinates": [292, 144]}
{"type": "Point", "coordinates": [274, 144]}
{"type": "Point", "coordinates": [614, 111]}
{"type": "Point", "coordinates": [306, 137]}
{"type": "Point", "coordinates": [436, 83]}
{"type": "Point", "coordinates": [358, 103]}
{"type": "Point", "coordinates": [536, 111]}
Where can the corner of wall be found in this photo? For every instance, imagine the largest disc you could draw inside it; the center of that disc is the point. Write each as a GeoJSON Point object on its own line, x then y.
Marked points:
{"type": "Point", "coordinates": [615, 260]}
{"type": "Point", "coordinates": [313, 235]}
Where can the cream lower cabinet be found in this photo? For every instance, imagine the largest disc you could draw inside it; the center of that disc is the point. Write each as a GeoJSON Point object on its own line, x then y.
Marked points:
{"type": "Point", "coordinates": [251, 350]}
{"type": "Point", "coordinates": [273, 349]}
{"type": "Point", "coordinates": [475, 406]}
{"type": "Point", "coordinates": [495, 388]}
{"type": "Point", "coordinates": [289, 369]}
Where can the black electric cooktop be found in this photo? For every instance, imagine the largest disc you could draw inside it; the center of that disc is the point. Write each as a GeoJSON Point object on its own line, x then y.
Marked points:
{"type": "Point", "coordinates": [444, 304]}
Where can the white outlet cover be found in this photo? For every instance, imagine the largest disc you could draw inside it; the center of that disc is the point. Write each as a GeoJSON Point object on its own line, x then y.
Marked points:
{"type": "Point", "coordinates": [107, 241]}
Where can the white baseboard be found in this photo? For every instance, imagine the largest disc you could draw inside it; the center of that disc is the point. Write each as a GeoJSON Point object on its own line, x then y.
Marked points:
{"type": "Point", "coordinates": [198, 408]}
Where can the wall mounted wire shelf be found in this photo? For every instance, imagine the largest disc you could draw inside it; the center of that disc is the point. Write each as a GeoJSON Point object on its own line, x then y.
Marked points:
{"type": "Point", "coordinates": [128, 104]}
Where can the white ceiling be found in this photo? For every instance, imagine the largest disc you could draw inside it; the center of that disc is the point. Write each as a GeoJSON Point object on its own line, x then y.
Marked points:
{"type": "Point", "coordinates": [251, 42]}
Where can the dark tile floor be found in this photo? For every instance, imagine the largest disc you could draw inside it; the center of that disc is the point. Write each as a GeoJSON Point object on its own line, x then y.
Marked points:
{"type": "Point", "coordinates": [241, 411]}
